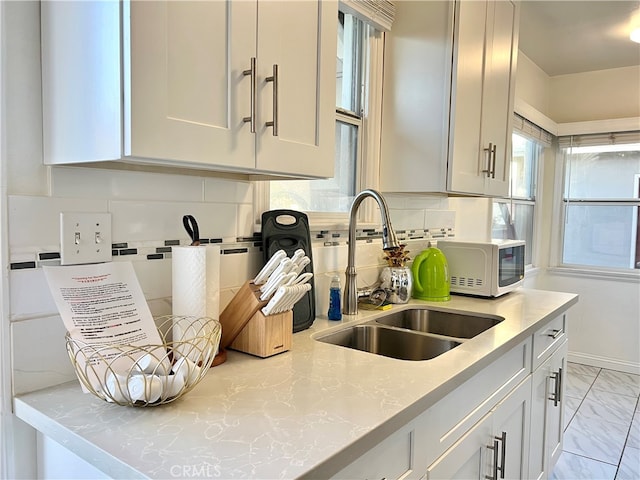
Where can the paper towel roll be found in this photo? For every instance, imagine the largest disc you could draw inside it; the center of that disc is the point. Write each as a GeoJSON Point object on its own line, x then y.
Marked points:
{"type": "Point", "coordinates": [196, 281]}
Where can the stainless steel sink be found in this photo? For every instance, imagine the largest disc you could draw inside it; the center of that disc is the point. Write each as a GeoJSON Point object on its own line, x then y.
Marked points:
{"type": "Point", "coordinates": [413, 334]}
{"type": "Point", "coordinates": [401, 344]}
{"type": "Point", "coordinates": [450, 324]}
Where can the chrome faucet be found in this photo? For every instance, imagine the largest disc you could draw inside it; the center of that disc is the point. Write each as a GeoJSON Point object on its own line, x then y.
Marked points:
{"type": "Point", "coordinates": [389, 241]}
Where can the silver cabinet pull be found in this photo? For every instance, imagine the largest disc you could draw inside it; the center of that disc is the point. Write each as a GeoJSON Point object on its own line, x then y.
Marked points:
{"type": "Point", "coordinates": [503, 452]}
{"type": "Point", "coordinates": [254, 89]}
{"type": "Point", "coordinates": [274, 79]}
{"type": "Point", "coordinates": [503, 460]}
{"type": "Point", "coordinates": [495, 459]}
{"type": "Point", "coordinates": [557, 389]}
{"type": "Point", "coordinates": [489, 151]}
{"type": "Point", "coordinates": [555, 333]}
{"type": "Point", "coordinates": [493, 163]}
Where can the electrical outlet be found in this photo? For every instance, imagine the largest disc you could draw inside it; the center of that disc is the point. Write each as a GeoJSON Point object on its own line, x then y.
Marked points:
{"type": "Point", "coordinates": [85, 238]}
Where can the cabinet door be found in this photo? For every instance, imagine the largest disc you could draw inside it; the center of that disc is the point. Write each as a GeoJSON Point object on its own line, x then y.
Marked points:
{"type": "Point", "coordinates": [415, 109]}
{"type": "Point", "coordinates": [555, 411]}
{"type": "Point", "coordinates": [467, 458]}
{"type": "Point", "coordinates": [499, 83]}
{"type": "Point", "coordinates": [465, 165]}
{"type": "Point", "coordinates": [547, 414]}
{"type": "Point", "coordinates": [485, 53]}
{"type": "Point", "coordinates": [497, 443]}
{"type": "Point", "coordinates": [300, 39]}
{"type": "Point", "coordinates": [511, 424]}
{"type": "Point", "coordinates": [539, 406]}
{"type": "Point", "coordinates": [188, 95]}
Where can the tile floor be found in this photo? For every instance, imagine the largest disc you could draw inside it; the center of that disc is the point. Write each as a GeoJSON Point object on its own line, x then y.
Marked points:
{"type": "Point", "coordinates": [602, 425]}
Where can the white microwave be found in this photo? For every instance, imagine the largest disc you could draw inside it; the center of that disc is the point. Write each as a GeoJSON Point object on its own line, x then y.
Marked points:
{"type": "Point", "coordinates": [486, 269]}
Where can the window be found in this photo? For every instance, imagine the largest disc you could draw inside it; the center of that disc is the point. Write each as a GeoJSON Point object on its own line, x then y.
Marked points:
{"type": "Point", "coordinates": [514, 217]}
{"type": "Point", "coordinates": [356, 39]}
{"type": "Point", "coordinates": [601, 201]}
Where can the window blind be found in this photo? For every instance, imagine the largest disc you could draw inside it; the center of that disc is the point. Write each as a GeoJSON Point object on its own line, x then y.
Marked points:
{"type": "Point", "coordinates": [531, 130]}
{"type": "Point", "coordinates": [379, 13]}
{"type": "Point", "coordinates": [617, 138]}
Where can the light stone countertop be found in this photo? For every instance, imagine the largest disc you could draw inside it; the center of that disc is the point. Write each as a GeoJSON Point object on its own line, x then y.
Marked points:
{"type": "Point", "coordinates": [307, 412]}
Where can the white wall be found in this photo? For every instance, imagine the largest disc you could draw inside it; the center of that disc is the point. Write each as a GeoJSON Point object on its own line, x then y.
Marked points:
{"type": "Point", "coordinates": [605, 325]}
{"type": "Point", "coordinates": [599, 95]}
{"type": "Point", "coordinates": [533, 85]}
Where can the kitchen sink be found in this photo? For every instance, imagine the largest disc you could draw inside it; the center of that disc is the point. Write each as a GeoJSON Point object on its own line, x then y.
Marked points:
{"type": "Point", "coordinates": [450, 324]}
{"type": "Point", "coordinates": [401, 344]}
{"type": "Point", "coordinates": [413, 334]}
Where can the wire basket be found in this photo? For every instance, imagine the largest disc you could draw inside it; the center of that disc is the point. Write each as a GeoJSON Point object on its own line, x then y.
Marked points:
{"type": "Point", "coordinates": [149, 375]}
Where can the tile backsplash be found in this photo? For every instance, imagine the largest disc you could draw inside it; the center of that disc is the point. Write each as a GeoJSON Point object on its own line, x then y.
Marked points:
{"type": "Point", "coordinates": [147, 212]}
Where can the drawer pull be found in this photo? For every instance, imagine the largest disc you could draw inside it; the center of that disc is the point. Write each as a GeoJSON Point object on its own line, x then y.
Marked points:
{"type": "Point", "coordinates": [555, 333]}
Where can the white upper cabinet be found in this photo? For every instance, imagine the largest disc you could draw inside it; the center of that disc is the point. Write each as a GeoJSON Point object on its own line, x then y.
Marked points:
{"type": "Point", "coordinates": [298, 38]}
{"type": "Point", "coordinates": [448, 97]}
{"type": "Point", "coordinates": [191, 84]}
{"type": "Point", "coordinates": [188, 94]}
{"type": "Point", "coordinates": [485, 46]}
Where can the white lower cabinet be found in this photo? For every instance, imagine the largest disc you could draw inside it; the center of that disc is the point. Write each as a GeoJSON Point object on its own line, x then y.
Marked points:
{"type": "Point", "coordinates": [505, 422]}
{"type": "Point", "coordinates": [392, 458]}
{"type": "Point", "coordinates": [458, 423]}
{"type": "Point", "coordinates": [547, 414]}
{"type": "Point", "coordinates": [467, 458]}
{"type": "Point", "coordinates": [495, 447]}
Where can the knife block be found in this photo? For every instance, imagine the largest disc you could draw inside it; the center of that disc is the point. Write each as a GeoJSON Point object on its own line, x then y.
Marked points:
{"type": "Point", "coordinates": [265, 336]}
{"type": "Point", "coordinates": [246, 329]}
{"type": "Point", "coordinates": [239, 312]}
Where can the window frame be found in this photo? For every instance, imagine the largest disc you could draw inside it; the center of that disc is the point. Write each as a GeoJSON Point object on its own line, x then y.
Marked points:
{"type": "Point", "coordinates": [560, 206]}
{"type": "Point", "coordinates": [542, 147]}
{"type": "Point", "coordinates": [370, 128]}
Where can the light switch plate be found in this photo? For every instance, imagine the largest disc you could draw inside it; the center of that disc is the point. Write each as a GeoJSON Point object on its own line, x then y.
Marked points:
{"type": "Point", "coordinates": [85, 238]}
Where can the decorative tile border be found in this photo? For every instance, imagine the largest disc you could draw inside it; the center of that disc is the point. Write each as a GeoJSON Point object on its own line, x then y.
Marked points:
{"type": "Point", "coordinates": [340, 237]}
{"type": "Point", "coordinates": [161, 249]}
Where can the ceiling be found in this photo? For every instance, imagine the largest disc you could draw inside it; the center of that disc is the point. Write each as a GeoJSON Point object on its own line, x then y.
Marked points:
{"type": "Point", "coordinates": [564, 37]}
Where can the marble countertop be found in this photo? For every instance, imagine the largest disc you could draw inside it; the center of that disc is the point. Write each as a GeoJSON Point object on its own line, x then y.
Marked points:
{"type": "Point", "coordinates": [308, 412]}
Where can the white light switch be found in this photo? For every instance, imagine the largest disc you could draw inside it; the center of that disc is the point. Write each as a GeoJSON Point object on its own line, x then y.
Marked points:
{"type": "Point", "coordinates": [85, 238]}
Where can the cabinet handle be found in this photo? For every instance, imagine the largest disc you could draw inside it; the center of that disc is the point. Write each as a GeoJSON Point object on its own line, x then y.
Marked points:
{"type": "Point", "coordinates": [554, 333]}
{"type": "Point", "coordinates": [557, 389]}
{"type": "Point", "coordinates": [274, 79]}
{"type": "Point", "coordinates": [489, 151]}
{"type": "Point", "coordinates": [503, 438]}
{"type": "Point", "coordinates": [495, 459]}
{"type": "Point", "coordinates": [493, 163]}
{"type": "Point", "coordinates": [254, 89]}
{"type": "Point", "coordinates": [503, 451]}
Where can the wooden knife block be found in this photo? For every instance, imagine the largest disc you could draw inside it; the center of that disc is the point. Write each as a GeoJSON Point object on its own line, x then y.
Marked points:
{"type": "Point", "coordinates": [246, 329]}
{"type": "Point", "coordinates": [265, 336]}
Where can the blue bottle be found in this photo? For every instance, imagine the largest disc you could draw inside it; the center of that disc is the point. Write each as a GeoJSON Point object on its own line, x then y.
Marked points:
{"type": "Point", "coordinates": [335, 307]}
